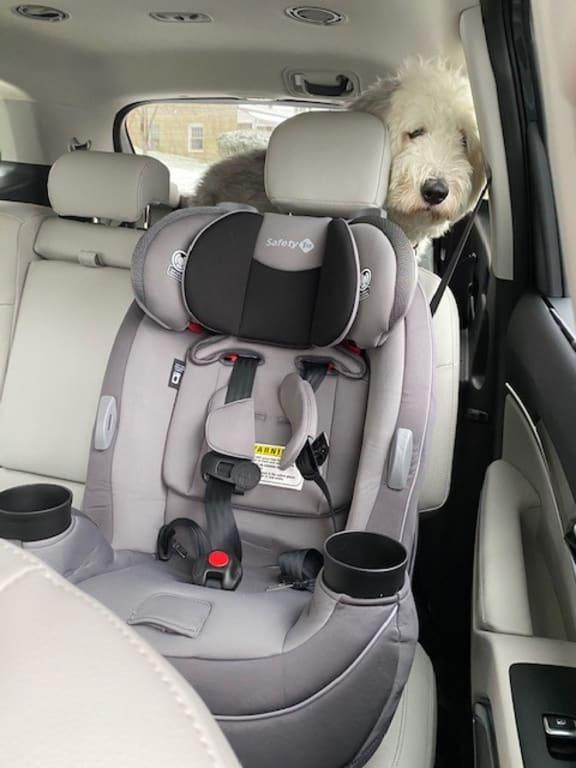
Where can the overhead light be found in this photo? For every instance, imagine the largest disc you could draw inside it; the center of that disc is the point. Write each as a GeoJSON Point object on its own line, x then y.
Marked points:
{"type": "Point", "coordinates": [311, 14]}
{"type": "Point", "coordinates": [40, 13]}
{"type": "Point", "coordinates": [181, 17]}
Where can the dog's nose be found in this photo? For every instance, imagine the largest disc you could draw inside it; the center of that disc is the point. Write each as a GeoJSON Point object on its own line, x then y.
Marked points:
{"type": "Point", "coordinates": [434, 191]}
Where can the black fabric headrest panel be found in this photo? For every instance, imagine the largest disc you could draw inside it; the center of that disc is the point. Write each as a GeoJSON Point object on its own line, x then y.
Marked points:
{"type": "Point", "coordinates": [217, 272]}
{"type": "Point", "coordinates": [229, 291]}
{"type": "Point", "coordinates": [338, 284]}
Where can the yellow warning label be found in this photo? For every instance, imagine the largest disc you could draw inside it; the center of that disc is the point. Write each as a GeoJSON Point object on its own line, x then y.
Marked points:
{"type": "Point", "coordinates": [268, 459]}
{"type": "Point", "coordinates": [261, 449]}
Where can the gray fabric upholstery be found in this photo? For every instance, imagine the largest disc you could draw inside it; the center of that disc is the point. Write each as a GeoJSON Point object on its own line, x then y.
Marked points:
{"type": "Point", "coordinates": [219, 437]}
{"type": "Point", "coordinates": [299, 404]}
{"type": "Point", "coordinates": [270, 631]}
{"type": "Point", "coordinates": [98, 499]}
{"type": "Point", "coordinates": [285, 244]}
{"type": "Point", "coordinates": [394, 511]}
{"type": "Point", "coordinates": [258, 655]}
{"type": "Point", "coordinates": [340, 403]}
{"type": "Point", "coordinates": [388, 266]}
{"type": "Point", "coordinates": [132, 687]}
{"type": "Point", "coordinates": [157, 282]}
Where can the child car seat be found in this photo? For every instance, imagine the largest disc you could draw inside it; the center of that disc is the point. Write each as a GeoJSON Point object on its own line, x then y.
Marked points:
{"type": "Point", "coordinates": [268, 396]}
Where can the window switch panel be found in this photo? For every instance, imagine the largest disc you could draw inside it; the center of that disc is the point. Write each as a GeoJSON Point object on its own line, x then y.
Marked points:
{"type": "Point", "coordinates": [560, 727]}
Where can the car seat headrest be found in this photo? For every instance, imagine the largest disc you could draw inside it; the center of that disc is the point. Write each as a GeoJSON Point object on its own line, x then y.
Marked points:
{"type": "Point", "coordinates": [291, 281]}
{"type": "Point", "coordinates": [328, 163]}
{"type": "Point", "coordinates": [107, 185]}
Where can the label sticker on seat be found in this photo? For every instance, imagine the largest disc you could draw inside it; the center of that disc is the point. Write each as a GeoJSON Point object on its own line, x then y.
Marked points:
{"type": "Point", "coordinates": [268, 459]}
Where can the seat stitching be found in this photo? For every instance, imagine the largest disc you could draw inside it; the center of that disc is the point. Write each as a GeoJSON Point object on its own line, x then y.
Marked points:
{"type": "Point", "coordinates": [18, 577]}
{"type": "Point", "coordinates": [402, 732]}
{"type": "Point", "coordinates": [140, 187]}
{"type": "Point", "coordinates": [24, 219]}
{"type": "Point", "coordinates": [132, 639]}
{"type": "Point", "coordinates": [326, 689]}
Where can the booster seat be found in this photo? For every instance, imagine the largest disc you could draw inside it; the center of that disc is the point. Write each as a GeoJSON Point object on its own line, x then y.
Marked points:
{"type": "Point", "coordinates": [272, 384]}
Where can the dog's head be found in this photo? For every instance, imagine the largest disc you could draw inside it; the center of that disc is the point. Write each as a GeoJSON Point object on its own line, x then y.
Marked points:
{"type": "Point", "coordinates": [437, 169]}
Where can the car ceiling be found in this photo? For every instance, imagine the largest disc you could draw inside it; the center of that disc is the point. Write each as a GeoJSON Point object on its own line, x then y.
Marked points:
{"type": "Point", "coordinates": [110, 50]}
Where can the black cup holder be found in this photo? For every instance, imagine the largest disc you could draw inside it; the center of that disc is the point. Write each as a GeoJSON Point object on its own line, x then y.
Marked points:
{"type": "Point", "coordinates": [364, 565]}
{"type": "Point", "coordinates": [34, 512]}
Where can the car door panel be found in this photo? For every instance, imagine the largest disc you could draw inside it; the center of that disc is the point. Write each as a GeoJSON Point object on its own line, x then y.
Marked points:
{"type": "Point", "coordinates": [524, 603]}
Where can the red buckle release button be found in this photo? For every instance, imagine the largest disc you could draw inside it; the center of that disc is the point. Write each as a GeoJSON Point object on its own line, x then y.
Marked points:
{"type": "Point", "coordinates": [218, 559]}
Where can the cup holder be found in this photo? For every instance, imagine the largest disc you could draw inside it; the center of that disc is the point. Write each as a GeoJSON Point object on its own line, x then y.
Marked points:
{"type": "Point", "coordinates": [364, 565]}
{"type": "Point", "coordinates": [34, 512]}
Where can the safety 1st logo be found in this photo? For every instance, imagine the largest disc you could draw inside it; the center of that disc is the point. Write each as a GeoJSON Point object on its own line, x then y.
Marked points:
{"type": "Point", "coordinates": [305, 245]}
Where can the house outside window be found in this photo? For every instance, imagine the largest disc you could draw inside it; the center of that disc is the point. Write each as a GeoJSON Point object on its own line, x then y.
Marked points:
{"type": "Point", "coordinates": [189, 135]}
{"type": "Point", "coordinates": [195, 137]}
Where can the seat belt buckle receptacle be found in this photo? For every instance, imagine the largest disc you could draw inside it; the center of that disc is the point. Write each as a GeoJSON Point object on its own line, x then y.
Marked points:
{"type": "Point", "coordinates": [217, 568]}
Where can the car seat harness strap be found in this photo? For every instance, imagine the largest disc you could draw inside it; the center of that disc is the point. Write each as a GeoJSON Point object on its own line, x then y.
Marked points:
{"type": "Point", "coordinates": [300, 567]}
{"type": "Point", "coordinates": [314, 372]}
{"type": "Point", "coordinates": [226, 475]}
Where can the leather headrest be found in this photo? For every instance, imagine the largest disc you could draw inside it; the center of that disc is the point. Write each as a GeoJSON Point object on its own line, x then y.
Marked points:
{"type": "Point", "coordinates": [328, 163]}
{"type": "Point", "coordinates": [107, 185]}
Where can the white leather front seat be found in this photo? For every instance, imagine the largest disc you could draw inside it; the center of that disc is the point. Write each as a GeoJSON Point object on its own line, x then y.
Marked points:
{"type": "Point", "coordinates": [80, 689]}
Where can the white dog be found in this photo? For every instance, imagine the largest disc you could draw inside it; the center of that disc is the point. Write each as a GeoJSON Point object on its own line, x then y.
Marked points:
{"type": "Point", "coordinates": [437, 170]}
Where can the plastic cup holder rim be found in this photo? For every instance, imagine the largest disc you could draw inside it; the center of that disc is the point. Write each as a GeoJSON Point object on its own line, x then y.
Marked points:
{"type": "Point", "coordinates": [357, 568]}
{"type": "Point", "coordinates": [35, 511]}
{"type": "Point", "coordinates": [66, 498]}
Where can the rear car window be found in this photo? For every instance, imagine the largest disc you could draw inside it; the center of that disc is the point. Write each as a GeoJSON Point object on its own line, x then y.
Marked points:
{"type": "Point", "coordinates": [189, 137]}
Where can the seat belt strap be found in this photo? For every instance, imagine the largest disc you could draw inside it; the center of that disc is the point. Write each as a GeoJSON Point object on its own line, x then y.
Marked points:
{"type": "Point", "coordinates": [220, 522]}
{"type": "Point", "coordinates": [300, 567]}
{"type": "Point", "coordinates": [314, 372]}
{"type": "Point", "coordinates": [448, 273]}
{"type": "Point", "coordinates": [241, 379]}
{"type": "Point", "coordinates": [227, 475]}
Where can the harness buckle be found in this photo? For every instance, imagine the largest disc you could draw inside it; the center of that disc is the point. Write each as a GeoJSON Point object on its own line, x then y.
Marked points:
{"type": "Point", "coordinates": [217, 569]}
{"type": "Point", "coordinates": [242, 474]}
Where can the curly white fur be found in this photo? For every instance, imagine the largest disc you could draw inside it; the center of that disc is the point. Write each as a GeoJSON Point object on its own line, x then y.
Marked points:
{"type": "Point", "coordinates": [427, 107]}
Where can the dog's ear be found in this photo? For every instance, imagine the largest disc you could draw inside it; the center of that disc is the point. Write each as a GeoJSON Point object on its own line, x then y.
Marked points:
{"type": "Point", "coordinates": [476, 159]}
{"type": "Point", "coordinates": [376, 98]}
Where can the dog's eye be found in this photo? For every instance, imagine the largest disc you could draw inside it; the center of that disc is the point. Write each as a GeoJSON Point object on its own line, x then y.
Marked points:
{"type": "Point", "coordinates": [416, 133]}
{"type": "Point", "coordinates": [464, 141]}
